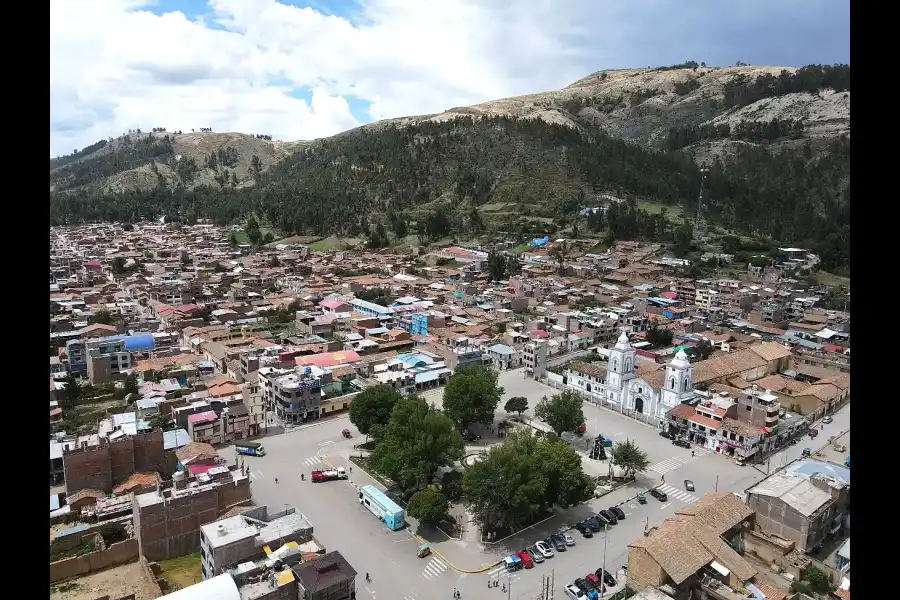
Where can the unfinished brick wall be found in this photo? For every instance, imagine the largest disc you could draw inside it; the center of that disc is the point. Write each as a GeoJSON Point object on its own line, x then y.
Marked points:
{"type": "Point", "coordinates": [87, 468]}
{"type": "Point", "coordinates": [117, 554]}
{"type": "Point", "coordinates": [171, 528]}
{"type": "Point", "coordinates": [101, 467]}
{"type": "Point", "coordinates": [150, 453]}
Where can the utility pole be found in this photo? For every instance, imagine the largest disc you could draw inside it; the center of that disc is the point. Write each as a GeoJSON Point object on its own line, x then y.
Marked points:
{"type": "Point", "coordinates": [605, 539]}
{"type": "Point", "coordinates": [552, 583]}
{"type": "Point", "coordinates": [717, 483]}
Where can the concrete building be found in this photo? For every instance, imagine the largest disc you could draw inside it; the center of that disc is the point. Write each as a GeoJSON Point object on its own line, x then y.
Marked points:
{"type": "Point", "coordinates": [294, 396]}
{"type": "Point", "coordinates": [105, 358]}
{"type": "Point", "coordinates": [503, 357]}
{"type": "Point", "coordinates": [245, 537]}
{"type": "Point", "coordinates": [329, 577]}
{"type": "Point", "coordinates": [77, 361]}
{"type": "Point", "coordinates": [167, 522]}
{"type": "Point", "coordinates": [806, 508]}
{"type": "Point", "coordinates": [534, 358]}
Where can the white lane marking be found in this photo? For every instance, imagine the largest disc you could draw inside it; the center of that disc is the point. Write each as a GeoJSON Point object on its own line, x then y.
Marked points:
{"type": "Point", "coordinates": [435, 568]}
{"type": "Point", "coordinates": [664, 506]}
{"type": "Point", "coordinates": [618, 434]}
{"type": "Point", "coordinates": [664, 466]}
{"type": "Point", "coordinates": [328, 443]}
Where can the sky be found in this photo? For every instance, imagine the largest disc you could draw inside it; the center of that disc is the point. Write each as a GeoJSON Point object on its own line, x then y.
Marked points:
{"type": "Point", "coordinates": [300, 70]}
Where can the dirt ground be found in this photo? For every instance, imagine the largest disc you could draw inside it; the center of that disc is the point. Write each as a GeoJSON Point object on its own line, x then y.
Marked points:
{"type": "Point", "coordinates": [117, 582]}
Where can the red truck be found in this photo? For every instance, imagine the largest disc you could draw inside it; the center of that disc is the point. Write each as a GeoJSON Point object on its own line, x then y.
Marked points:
{"type": "Point", "coordinates": [330, 475]}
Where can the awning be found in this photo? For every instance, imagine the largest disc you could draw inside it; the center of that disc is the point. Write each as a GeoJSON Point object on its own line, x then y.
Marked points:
{"type": "Point", "coordinates": [426, 377]}
{"type": "Point", "coordinates": [719, 569]}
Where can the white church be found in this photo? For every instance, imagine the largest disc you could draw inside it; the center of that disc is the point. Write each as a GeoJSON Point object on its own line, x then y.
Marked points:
{"type": "Point", "coordinates": [621, 384]}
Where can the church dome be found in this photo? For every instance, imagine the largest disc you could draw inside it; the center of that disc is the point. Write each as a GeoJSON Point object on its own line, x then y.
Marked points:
{"type": "Point", "coordinates": [622, 343]}
{"type": "Point", "coordinates": [681, 360]}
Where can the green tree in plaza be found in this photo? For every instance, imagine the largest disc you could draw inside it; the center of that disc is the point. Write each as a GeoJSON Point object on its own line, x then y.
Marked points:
{"type": "Point", "coordinates": [630, 457]}
{"type": "Point", "coordinates": [415, 443]}
{"type": "Point", "coordinates": [522, 478]}
{"type": "Point", "coordinates": [429, 506]}
{"type": "Point", "coordinates": [516, 404]}
{"type": "Point", "coordinates": [372, 407]}
{"type": "Point", "coordinates": [472, 396]}
{"type": "Point", "coordinates": [562, 412]}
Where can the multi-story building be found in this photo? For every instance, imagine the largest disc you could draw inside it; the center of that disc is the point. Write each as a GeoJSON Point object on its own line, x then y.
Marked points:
{"type": "Point", "coordinates": [167, 521]}
{"type": "Point", "coordinates": [708, 297]}
{"type": "Point", "coordinates": [227, 542]}
{"type": "Point", "coordinates": [534, 358]}
{"type": "Point", "coordinates": [329, 577]}
{"type": "Point", "coordinates": [415, 323]}
{"type": "Point", "coordinates": [293, 395]}
{"type": "Point", "coordinates": [106, 357]}
{"type": "Point", "coordinates": [759, 408]}
{"type": "Point", "coordinates": [255, 401]}
{"type": "Point", "coordinates": [77, 353]}
{"type": "Point", "coordinates": [806, 502]}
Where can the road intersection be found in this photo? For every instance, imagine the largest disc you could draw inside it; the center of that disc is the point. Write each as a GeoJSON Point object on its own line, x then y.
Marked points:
{"type": "Point", "coordinates": [390, 557]}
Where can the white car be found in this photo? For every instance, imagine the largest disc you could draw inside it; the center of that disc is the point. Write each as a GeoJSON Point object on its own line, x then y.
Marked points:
{"type": "Point", "coordinates": [570, 541]}
{"type": "Point", "coordinates": [544, 549]}
{"type": "Point", "coordinates": [827, 420]}
{"type": "Point", "coordinates": [574, 592]}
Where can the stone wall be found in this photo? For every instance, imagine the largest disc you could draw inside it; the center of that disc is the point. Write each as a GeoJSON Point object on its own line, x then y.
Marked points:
{"type": "Point", "coordinates": [117, 554]}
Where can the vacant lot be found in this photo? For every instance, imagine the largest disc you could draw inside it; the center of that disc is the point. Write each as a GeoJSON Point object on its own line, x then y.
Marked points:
{"type": "Point", "coordinates": [116, 582]}
{"type": "Point", "coordinates": [183, 571]}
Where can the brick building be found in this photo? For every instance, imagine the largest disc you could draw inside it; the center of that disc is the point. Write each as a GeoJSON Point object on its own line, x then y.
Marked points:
{"type": "Point", "coordinates": [167, 522]}
{"type": "Point", "coordinates": [105, 464]}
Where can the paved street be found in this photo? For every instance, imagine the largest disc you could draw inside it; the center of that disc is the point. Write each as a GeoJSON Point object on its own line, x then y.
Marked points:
{"type": "Point", "coordinates": [342, 524]}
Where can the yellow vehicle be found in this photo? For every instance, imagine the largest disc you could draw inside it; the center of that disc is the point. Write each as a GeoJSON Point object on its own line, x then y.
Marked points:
{"type": "Point", "coordinates": [424, 550]}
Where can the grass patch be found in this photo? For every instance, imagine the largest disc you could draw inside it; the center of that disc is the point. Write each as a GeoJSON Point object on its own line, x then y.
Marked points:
{"type": "Point", "coordinates": [826, 278]}
{"type": "Point", "coordinates": [523, 247]}
{"type": "Point", "coordinates": [654, 208]}
{"type": "Point", "coordinates": [365, 464]}
{"type": "Point", "coordinates": [333, 243]}
{"type": "Point", "coordinates": [79, 550]}
{"type": "Point", "coordinates": [62, 588]}
{"type": "Point", "coordinates": [85, 414]}
{"type": "Point", "coordinates": [183, 571]}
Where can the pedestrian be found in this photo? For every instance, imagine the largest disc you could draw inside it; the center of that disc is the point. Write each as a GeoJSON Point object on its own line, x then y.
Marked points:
{"type": "Point", "coordinates": [351, 469]}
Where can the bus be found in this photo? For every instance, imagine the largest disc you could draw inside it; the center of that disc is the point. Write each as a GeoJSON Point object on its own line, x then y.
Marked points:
{"type": "Point", "coordinates": [250, 448]}
{"type": "Point", "coordinates": [382, 507]}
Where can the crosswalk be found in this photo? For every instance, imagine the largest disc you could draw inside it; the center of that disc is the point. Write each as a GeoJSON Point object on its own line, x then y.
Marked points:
{"type": "Point", "coordinates": [312, 460]}
{"type": "Point", "coordinates": [434, 569]}
{"type": "Point", "coordinates": [670, 464]}
{"type": "Point", "coordinates": [503, 575]}
{"type": "Point", "coordinates": [680, 495]}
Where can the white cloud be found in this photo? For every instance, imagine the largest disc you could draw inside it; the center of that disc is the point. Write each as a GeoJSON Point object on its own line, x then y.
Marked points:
{"type": "Point", "coordinates": [115, 66]}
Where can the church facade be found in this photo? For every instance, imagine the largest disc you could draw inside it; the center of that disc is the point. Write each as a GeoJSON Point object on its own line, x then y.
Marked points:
{"type": "Point", "coordinates": [621, 385]}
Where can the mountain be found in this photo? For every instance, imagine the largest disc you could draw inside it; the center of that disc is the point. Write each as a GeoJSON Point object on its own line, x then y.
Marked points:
{"type": "Point", "coordinates": [143, 161]}
{"type": "Point", "coordinates": [774, 143]}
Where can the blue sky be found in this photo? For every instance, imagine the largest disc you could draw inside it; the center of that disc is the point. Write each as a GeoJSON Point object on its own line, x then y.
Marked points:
{"type": "Point", "coordinates": [301, 70]}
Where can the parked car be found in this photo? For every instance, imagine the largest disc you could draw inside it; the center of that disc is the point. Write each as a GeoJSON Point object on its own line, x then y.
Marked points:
{"type": "Point", "coordinates": [813, 433]}
{"type": "Point", "coordinates": [666, 435]}
{"type": "Point", "coordinates": [587, 588]}
{"type": "Point", "coordinates": [739, 461]}
{"type": "Point", "coordinates": [536, 555]}
{"type": "Point", "coordinates": [527, 562]}
{"type": "Point", "coordinates": [545, 549]}
{"type": "Point", "coordinates": [661, 496]}
{"type": "Point", "coordinates": [602, 520]}
{"type": "Point", "coordinates": [594, 524]}
{"type": "Point", "coordinates": [595, 581]}
{"type": "Point", "coordinates": [573, 592]}
{"type": "Point", "coordinates": [608, 579]}
{"type": "Point", "coordinates": [609, 517]}
{"type": "Point", "coordinates": [570, 541]}
{"type": "Point", "coordinates": [584, 529]}
{"type": "Point", "coordinates": [682, 443]}
{"type": "Point", "coordinates": [618, 512]}
{"type": "Point", "coordinates": [689, 485]}
{"type": "Point", "coordinates": [806, 452]}
{"type": "Point", "coordinates": [558, 542]}
{"type": "Point", "coordinates": [827, 419]}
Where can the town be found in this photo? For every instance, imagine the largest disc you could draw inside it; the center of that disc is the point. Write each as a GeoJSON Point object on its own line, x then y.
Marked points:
{"type": "Point", "coordinates": [534, 419]}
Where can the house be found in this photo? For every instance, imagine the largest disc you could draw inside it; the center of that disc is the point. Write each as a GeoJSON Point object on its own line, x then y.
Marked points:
{"type": "Point", "coordinates": [804, 503]}
{"type": "Point", "coordinates": [504, 357]}
{"type": "Point", "coordinates": [698, 548]}
{"type": "Point", "coordinates": [329, 577]}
